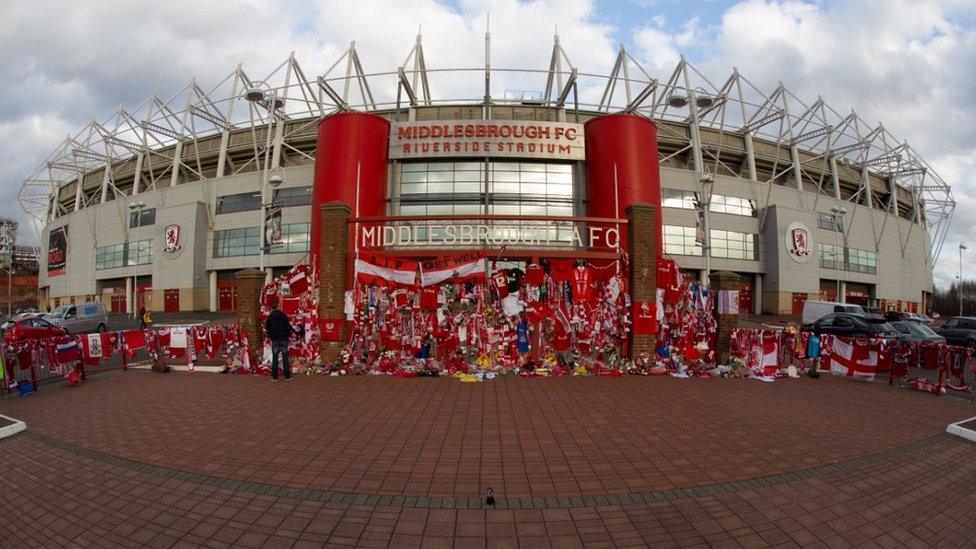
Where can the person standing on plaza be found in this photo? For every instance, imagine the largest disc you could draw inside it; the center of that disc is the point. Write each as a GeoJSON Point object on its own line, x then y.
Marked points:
{"type": "Point", "coordinates": [278, 330]}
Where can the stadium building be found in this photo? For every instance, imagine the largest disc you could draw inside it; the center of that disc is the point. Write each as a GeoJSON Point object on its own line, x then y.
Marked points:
{"type": "Point", "coordinates": [162, 203]}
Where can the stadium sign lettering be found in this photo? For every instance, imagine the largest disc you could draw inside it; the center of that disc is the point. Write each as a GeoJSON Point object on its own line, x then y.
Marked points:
{"type": "Point", "coordinates": [541, 234]}
{"type": "Point", "coordinates": [548, 140]}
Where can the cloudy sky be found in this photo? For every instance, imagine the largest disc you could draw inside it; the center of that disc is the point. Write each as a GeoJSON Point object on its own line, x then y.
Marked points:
{"type": "Point", "coordinates": [907, 63]}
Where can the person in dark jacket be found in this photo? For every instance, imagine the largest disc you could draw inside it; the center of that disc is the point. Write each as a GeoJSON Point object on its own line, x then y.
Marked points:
{"type": "Point", "coordinates": [278, 330]}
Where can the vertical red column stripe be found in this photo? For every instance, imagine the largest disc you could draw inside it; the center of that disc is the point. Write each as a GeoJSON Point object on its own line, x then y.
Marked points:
{"type": "Point", "coordinates": [347, 141]}
{"type": "Point", "coordinates": [629, 143]}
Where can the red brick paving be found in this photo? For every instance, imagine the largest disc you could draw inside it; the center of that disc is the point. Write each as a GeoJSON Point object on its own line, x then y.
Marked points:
{"type": "Point", "coordinates": [527, 438]}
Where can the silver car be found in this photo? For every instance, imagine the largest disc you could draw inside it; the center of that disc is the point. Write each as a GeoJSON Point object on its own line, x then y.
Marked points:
{"type": "Point", "coordinates": [80, 318]}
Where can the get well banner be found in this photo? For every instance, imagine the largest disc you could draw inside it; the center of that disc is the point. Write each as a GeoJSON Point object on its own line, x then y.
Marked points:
{"type": "Point", "coordinates": [453, 268]}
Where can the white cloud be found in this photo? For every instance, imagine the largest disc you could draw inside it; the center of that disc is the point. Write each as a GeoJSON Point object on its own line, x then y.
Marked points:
{"type": "Point", "coordinates": [907, 64]}
{"type": "Point", "coordinates": [75, 62]}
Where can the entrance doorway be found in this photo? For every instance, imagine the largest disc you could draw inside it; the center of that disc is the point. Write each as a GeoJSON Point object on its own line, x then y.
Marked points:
{"type": "Point", "coordinates": [799, 299]}
{"type": "Point", "coordinates": [171, 301]}
{"type": "Point", "coordinates": [118, 303]}
{"type": "Point", "coordinates": [227, 298]}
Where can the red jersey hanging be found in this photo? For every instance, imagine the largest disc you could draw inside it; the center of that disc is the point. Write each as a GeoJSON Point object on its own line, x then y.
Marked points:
{"type": "Point", "coordinates": [500, 280]}
{"type": "Point", "coordinates": [582, 283]}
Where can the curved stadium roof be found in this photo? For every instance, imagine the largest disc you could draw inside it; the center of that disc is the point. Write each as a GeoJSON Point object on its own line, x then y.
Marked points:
{"type": "Point", "coordinates": [827, 152]}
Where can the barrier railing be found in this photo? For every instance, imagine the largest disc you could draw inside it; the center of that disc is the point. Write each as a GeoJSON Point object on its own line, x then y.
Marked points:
{"type": "Point", "coordinates": [34, 362]}
{"type": "Point", "coordinates": [925, 366]}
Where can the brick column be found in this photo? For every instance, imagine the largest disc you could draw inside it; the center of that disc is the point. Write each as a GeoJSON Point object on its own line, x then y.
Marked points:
{"type": "Point", "coordinates": [723, 281]}
{"type": "Point", "coordinates": [642, 231]}
{"type": "Point", "coordinates": [249, 284]}
{"type": "Point", "coordinates": [334, 273]}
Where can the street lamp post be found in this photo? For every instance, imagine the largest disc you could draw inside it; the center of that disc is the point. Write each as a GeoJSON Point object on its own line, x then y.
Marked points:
{"type": "Point", "coordinates": [962, 246]}
{"type": "Point", "coordinates": [262, 93]}
{"type": "Point", "coordinates": [137, 208]}
{"type": "Point", "coordinates": [839, 212]}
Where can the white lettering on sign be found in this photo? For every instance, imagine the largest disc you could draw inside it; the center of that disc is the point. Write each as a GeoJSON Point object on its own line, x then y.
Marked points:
{"type": "Point", "coordinates": [457, 138]}
{"type": "Point", "coordinates": [498, 234]}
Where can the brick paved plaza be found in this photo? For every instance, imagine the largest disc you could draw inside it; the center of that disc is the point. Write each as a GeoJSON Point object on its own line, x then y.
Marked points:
{"type": "Point", "coordinates": [142, 459]}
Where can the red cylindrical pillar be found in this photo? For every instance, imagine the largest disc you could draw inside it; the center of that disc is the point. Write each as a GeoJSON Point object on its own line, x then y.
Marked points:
{"type": "Point", "coordinates": [621, 168]}
{"type": "Point", "coordinates": [349, 142]}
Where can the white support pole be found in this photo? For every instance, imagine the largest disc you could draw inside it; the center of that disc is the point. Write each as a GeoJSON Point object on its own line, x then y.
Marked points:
{"type": "Point", "coordinates": [222, 153]}
{"type": "Point", "coordinates": [893, 199]}
{"type": "Point", "coordinates": [137, 177]}
{"type": "Point", "coordinates": [797, 172]}
{"type": "Point", "coordinates": [177, 158]}
{"type": "Point", "coordinates": [213, 291]}
{"type": "Point", "coordinates": [834, 177]}
{"type": "Point", "coordinates": [106, 177]}
{"type": "Point", "coordinates": [129, 296]}
{"type": "Point", "coordinates": [843, 292]}
{"type": "Point", "coordinates": [699, 160]}
{"type": "Point", "coordinates": [750, 156]}
{"type": "Point", "coordinates": [55, 202]}
{"type": "Point", "coordinates": [917, 205]}
{"type": "Point", "coordinates": [264, 179]}
{"type": "Point", "coordinates": [78, 191]}
{"type": "Point", "coordinates": [349, 65]}
{"type": "Point", "coordinates": [279, 126]}
{"type": "Point", "coordinates": [866, 185]}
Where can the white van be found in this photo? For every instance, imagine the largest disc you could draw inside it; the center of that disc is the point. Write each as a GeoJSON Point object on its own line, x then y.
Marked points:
{"type": "Point", "coordinates": [80, 319]}
{"type": "Point", "coordinates": [815, 310]}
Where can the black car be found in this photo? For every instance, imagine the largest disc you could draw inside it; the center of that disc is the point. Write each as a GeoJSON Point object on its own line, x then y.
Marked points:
{"type": "Point", "coordinates": [916, 331]}
{"type": "Point", "coordinates": [852, 325]}
{"type": "Point", "coordinates": [960, 330]}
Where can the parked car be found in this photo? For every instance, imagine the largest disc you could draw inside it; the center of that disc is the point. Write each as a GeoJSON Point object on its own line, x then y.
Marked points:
{"type": "Point", "coordinates": [916, 331]}
{"type": "Point", "coordinates": [873, 311]}
{"type": "Point", "coordinates": [902, 315]}
{"type": "Point", "coordinates": [815, 310]}
{"type": "Point", "coordinates": [852, 325]}
{"type": "Point", "coordinates": [19, 316]}
{"type": "Point", "coordinates": [79, 319]}
{"type": "Point", "coordinates": [959, 330]}
{"type": "Point", "coordinates": [24, 329]}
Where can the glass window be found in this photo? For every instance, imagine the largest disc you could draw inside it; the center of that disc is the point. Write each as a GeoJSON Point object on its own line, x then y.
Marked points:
{"type": "Point", "coordinates": [241, 202]}
{"type": "Point", "coordinates": [119, 255]}
{"type": "Point", "coordinates": [140, 253]}
{"type": "Point", "coordinates": [829, 256]}
{"type": "Point", "coordinates": [680, 241]}
{"type": "Point", "coordinates": [674, 198]}
{"type": "Point", "coordinates": [294, 238]}
{"type": "Point", "coordinates": [293, 196]}
{"type": "Point", "coordinates": [110, 257]}
{"type": "Point", "coordinates": [848, 259]}
{"type": "Point", "coordinates": [237, 242]}
{"type": "Point", "coordinates": [829, 222]}
{"type": "Point", "coordinates": [862, 261]}
{"type": "Point", "coordinates": [430, 188]}
{"type": "Point", "coordinates": [148, 217]}
{"type": "Point", "coordinates": [732, 205]}
{"type": "Point", "coordinates": [499, 188]}
{"type": "Point", "coordinates": [734, 245]}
